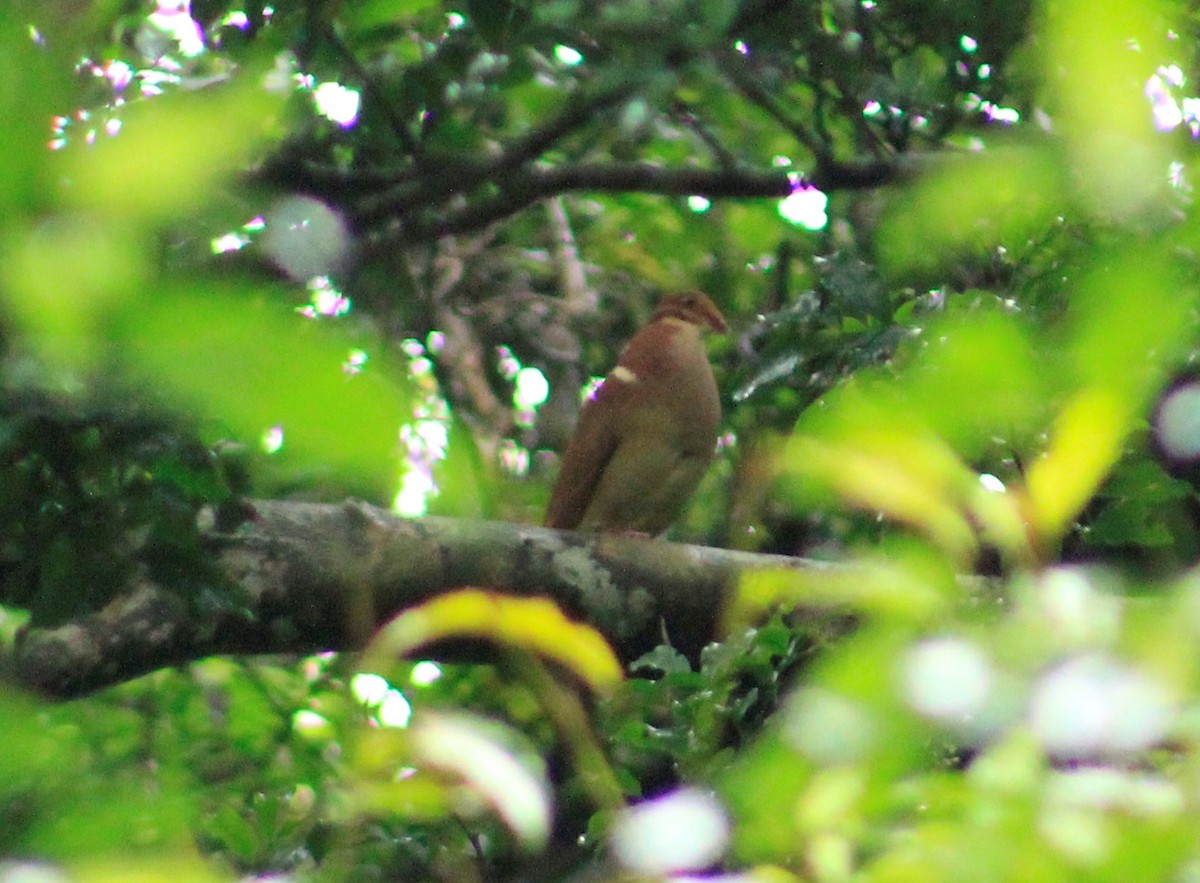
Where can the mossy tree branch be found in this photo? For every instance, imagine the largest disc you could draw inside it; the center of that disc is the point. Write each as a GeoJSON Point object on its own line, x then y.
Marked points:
{"type": "Point", "coordinates": [323, 577]}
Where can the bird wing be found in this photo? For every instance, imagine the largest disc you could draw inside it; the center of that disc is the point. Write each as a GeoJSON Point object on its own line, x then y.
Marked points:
{"type": "Point", "coordinates": [591, 448]}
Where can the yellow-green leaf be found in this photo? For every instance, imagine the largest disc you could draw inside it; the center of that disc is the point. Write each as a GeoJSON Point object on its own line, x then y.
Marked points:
{"type": "Point", "coordinates": [915, 481]}
{"type": "Point", "coordinates": [171, 150]}
{"type": "Point", "coordinates": [1084, 444]}
{"type": "Point", "coordinates": [535, 625]}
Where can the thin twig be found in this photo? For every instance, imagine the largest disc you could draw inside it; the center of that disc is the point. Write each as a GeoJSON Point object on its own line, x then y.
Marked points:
{"type": "Point", "coordinates": [732, 65]}
{"type": "Point", "coordinates": [577, 297]}
{"type": "Point", "coordinates": [377, 94]}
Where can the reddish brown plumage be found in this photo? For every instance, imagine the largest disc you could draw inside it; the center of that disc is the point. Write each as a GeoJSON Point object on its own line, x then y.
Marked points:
{"type": "Point", "coordinates": [646, 436]}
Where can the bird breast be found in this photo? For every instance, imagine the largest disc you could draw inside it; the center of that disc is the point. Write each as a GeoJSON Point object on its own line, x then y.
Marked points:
{"type": "Point", "coordinates": [670, 382]}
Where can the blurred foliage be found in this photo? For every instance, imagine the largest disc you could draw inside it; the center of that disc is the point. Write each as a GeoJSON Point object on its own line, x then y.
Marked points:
{"type": "Point", "coordinates": [533, 624]}
{"type": "Point", "coordinates": [91, 496]}
{"type": "Point", "coordinates": [981, 370]}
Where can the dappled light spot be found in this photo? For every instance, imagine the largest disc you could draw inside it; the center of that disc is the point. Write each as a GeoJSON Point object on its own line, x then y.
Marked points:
{"type": "Point", "coordinates": [337, 103]}
{"type": "Point", "coordinates": [507, 363]}
{"type": "Point", "coordinates": [530, 389]}
{"type": "Point", "coordinates": [530, 386]}
{"type": "Point", "coordinates": [514, 458]}
{"type": "Point", "coordinates": [21, 871]}
{"type": "Point", "coordinates": [591, 389]}
{"type": "Point", "coordinates": [992, 483]}
{"type": "Point", "coordinates": [305, 238]}
{"type": "Point", "coordinates": [828, 727]}
{"type": "Point", "coordinates": [235, 240]}
{"type": "Point", "coordinates": [119, 74]}
{"type": "Point", "coordinates": [805, 207]}
{"type": "Point", "coordinates": [369, 688]}
{"type": "Point", "coordinates": [425, 673]}
{"type": "Point", "coordinates": [388, 703]}
{"type": "Point", "coordinates": [764, 263]}
{"type": "Point", "coordinates": [685, 830]}
{"type": "Point", "coordinates": [154, 82]}
{"type": "Point", "coordinates": [1073, 606]}
{"type": "Point", "coordinates": [395, 710]}
{"type": "Point", "coordinates": [1167, 114]}
{"type": "Point", "coordinates": [432, 435]}
{"type": "Point", "coordinates": [309, 723]}
{"type": "Point", "coordinates": [412, 500]}
{"type": "Point", "coordinates": [315, 667]}
{"type": "Point", "coordinates": [948, 679]}
{"type": "Point", "coordinates": [354, 362]}
{"type": "Point", "coordinates": [236, 19]}
{"type": "Point", "coordinates": [1176, 175]}
{"type": "Point", "coordinates": [1176, 423]}
{"type": "Point", "coordinates": [1191, 115]}
{"type": "Point", "coordinates": [272, 440]}
{"type": "Point", "coordinates": [1093, 705]}
{"type": "Point", "coordinates": [568, 55]}
{"type": "Point", "coordinates": [997, 114]}
{"type": "Point", "coordinates": [325, 300]}
{"type": "Point", "coordinates": [424, 440]}
{"type": "Point", "coordinates": [229, 242]}
{"type": "Point", "coordinates": [58, 127]}
{"type": "Point", "coordinates": [1166, 109]}
{"type": "Point", "coordinates": [61, 128]}
{"type": "Point", "coordinates": [699, 204]}
{"type": "Point", "coordinates": [173, 19]}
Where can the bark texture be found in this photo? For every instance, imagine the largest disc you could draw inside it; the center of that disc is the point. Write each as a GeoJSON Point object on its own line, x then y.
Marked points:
{"type": "Point", "coordinates": [323, 577]}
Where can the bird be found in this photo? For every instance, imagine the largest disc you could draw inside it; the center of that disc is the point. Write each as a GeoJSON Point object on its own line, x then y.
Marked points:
{"type": "Point", "coordinates": [646, 435]}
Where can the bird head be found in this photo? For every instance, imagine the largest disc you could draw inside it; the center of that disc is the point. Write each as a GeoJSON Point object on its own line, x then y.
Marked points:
{"type": "Point", "coordinates": [692, 307]}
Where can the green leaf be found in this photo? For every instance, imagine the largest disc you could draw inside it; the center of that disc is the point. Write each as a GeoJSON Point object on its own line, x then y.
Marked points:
{"type": "Point", "coordinates": [968, 206]}
{"type": "Point", "coordinates": [35, 79]}
{"type": "Point", "coordinates": [664, 659]}
{"type": "Point", "coordinates": [251, 363]}
{"type": "Point", "coordinates": [164, 158]}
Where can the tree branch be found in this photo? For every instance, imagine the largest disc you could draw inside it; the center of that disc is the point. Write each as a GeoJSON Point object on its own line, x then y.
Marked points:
{"type": "Point", "coordinates": [434, 179]}
{"type": "Point", "coordinates": [522, 189]}
{"type": "Point", "coordinates": [532, 184]}
{"type": "Point", "coordinates": [732, 65]}
{"type": "Point", "coordinates": [323, 577]}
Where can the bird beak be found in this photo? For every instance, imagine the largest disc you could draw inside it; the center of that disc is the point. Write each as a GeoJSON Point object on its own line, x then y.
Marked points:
{"type": "Point", "coordinates": [717, 322]}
